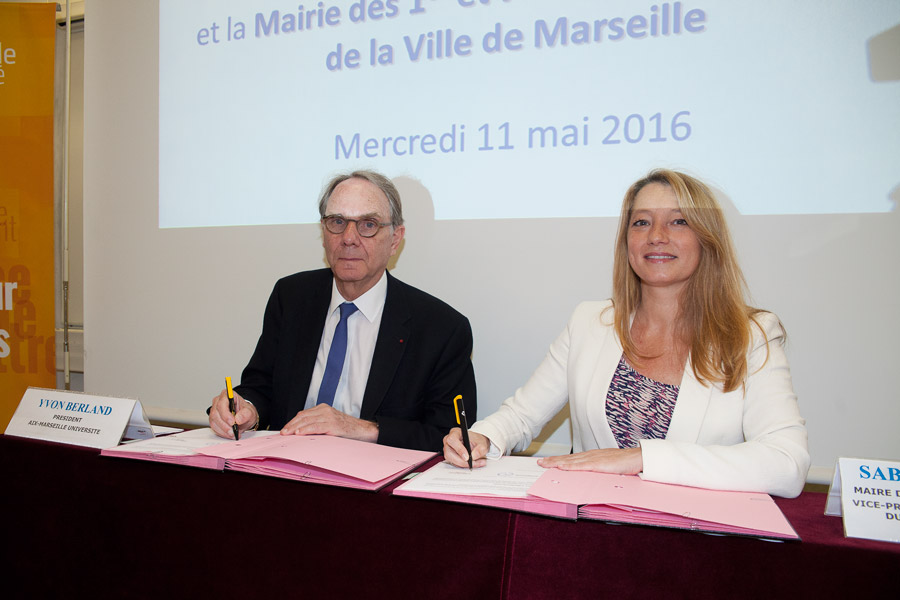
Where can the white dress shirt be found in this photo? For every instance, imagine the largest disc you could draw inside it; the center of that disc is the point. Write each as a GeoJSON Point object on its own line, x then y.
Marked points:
{"type": "Point", "coordinates": [362, 333]}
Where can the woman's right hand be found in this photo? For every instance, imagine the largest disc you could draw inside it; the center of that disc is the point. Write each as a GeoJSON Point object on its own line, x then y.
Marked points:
{"type": "Point", "coordinates": [455, 452]}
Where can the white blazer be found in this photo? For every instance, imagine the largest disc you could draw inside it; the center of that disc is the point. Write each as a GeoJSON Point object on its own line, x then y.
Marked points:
{"type": "Point", "coordinates": [751, 439]}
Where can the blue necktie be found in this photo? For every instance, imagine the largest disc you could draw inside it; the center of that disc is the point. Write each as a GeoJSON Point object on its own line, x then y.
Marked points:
{"type": "Point", "coordinates": [336, 354]}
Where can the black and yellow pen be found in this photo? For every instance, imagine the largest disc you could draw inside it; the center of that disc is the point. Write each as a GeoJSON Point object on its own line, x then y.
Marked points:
{"type": "Point", "coordinates": [463, 425]}
{"type": "Point", "coordinates": [234, 428]}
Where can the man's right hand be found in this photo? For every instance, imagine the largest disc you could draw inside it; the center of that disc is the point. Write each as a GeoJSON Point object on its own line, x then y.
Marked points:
{"type": "Point", "coordinates": [455, 452]}
{"type": "Point", "coordinates": [221, 420]}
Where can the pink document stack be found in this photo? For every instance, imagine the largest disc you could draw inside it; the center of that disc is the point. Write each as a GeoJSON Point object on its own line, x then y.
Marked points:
{"type": "Point", "coordinates": [503, 483]}
{"type": "Point", "coordinates": [518, 483]}
{"type": "Point", "coordinates": [630, 499]}
{"type": "Point", "coordinates": [319, 459]}
{"type": "Point", "coordinates": [176, 449]}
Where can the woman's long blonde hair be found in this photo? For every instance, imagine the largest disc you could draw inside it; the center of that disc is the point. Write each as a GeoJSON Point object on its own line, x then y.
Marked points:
{"type": "Point", "coordinates": [713, 318]}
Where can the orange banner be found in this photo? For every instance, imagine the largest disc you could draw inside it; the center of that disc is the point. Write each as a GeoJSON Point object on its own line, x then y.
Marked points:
{"type": "Point", "coordinates": [27, 320]}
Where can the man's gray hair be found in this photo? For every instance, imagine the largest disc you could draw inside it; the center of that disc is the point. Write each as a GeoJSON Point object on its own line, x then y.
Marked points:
{"type": "Point", "coordinates": [379, 180]}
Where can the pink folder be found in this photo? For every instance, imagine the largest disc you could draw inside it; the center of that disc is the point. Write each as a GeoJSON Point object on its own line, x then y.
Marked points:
{"type": "Point", "coordinates": [176, 449]}
{"type": "Point", "coordinates": [319, 459]}
{"type": "Point", "coordinates": [630, 499]}
{"type": "Point", "coordinates": [192, 460]}
{"type": "Point", "coordinates": [502, 484]}
{"type": "Point", "coordinates": [530, 504]}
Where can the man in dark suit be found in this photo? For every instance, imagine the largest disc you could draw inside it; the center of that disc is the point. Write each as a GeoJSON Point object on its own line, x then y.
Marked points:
{"type": "Point", "coordinates": [352, 351]}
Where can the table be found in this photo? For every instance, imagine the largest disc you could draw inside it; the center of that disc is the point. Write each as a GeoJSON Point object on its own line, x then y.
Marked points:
{"type": "Point", "coordinates": [82, 525]}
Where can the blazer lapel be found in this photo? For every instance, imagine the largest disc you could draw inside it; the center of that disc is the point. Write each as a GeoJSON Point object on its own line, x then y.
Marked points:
{"type": "Point", "coordinates": [393, 337]}
{"type": "Point", "coordinates": [690, 408]}
{"type": "Point", "coordinates": [594, 408]}
{"type": "Point", "coordinates": [308, 334]}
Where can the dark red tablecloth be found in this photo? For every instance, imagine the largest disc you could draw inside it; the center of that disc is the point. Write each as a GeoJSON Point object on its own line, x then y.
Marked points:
{"type": "Point", "coordinates": [82, 525]}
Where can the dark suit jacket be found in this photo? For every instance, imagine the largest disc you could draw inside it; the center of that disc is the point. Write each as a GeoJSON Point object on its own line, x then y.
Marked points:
{"type": "Point", "coordinates": [422, 360]}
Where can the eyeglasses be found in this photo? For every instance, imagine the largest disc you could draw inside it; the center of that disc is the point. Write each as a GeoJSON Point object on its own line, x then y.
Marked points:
{"type": "Point", "coordinates": [364, 227]}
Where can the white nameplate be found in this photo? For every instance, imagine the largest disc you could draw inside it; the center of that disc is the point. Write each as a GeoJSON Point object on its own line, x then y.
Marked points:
{"type": "Point", "coordinates": [77, 418]}
{"type": "Point", "coordinates": [867, 493]}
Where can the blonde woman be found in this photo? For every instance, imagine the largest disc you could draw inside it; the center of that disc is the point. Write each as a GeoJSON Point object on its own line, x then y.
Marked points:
{"type": "Point", "coordinates": [675, 378]}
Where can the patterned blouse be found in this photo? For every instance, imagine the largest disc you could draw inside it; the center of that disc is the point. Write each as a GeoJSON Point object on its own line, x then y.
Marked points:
{"type": "Point", "coordinates": [637, 407]}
